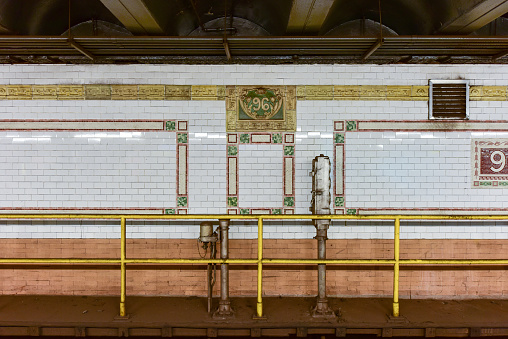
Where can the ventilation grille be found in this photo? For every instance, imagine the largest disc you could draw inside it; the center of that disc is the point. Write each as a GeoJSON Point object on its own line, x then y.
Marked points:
{"type": "Point", "coordinates": [449, 99]}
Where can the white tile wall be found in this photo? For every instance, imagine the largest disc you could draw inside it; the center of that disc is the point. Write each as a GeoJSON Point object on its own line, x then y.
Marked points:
{"type": "Point", "coordinates": [260, 179]}
{"type": "Point", "coordinates": [89, 169]}
{"type": "Point", "coordinates": [382, 169]}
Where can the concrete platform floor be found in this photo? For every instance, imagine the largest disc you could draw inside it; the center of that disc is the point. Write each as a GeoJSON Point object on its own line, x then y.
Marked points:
{"type": "Point", "coordinates": [285, 316]}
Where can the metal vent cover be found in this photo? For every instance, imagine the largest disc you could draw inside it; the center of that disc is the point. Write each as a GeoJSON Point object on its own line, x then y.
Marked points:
{"type": "Point", "coordinates": [449, 99]}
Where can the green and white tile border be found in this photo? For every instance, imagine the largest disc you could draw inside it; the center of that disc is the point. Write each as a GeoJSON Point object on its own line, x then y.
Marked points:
{"type": "Point", "coordinates": [342, 127]}
{"type": "Point", "coordinates": [179, 127]}
{"type": "Point", "coordinates": [287, 141]}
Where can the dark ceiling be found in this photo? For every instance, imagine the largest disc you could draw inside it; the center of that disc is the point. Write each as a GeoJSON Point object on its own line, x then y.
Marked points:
{"type": "Point", "coordinates": [266, 31]}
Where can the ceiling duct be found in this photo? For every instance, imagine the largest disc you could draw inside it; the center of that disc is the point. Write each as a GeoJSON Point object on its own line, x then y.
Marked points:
{"type": "Point", "coordinates": [235, 27]}
{"type": "Point", "coordinates": [361, 27]}
{"type": "Point", "coordinates": [97, 28]}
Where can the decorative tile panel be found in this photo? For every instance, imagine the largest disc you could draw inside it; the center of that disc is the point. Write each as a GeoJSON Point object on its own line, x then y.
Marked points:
{"type": "Point", "coordinates": [109, 128]}
{"type": "Point", "coordinates": [489, 167]}
{"type": "Point", "coordinates": [286, 141]}
{"type": "Point", "coordinates": [263, 108]}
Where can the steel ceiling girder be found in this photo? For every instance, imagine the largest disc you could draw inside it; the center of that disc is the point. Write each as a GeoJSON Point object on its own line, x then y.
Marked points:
{"type": "Point", "coordinates": [108, 47]}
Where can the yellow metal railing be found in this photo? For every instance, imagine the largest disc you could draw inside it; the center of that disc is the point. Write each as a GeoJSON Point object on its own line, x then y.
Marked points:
{"type": "Point", "coordinates": [260, 261]}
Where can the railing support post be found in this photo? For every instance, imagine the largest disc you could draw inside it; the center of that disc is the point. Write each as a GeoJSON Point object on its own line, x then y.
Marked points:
{"type": "Point", "coordinates": [396, 312]}
{"type": "Point", "coordinates": [259, 306]}
{"type": "Point", "coordinates": [123, 256]}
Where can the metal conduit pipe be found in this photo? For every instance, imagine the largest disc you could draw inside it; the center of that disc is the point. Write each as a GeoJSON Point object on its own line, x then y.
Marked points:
{"type": "Point", "coordinates": [321, 205]}
{"type": "Point", "coordinates": [224, 309]}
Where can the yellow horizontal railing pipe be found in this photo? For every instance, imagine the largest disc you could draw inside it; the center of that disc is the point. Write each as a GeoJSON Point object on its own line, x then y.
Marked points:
{"type": "Point", "coordinates": [329, 261]}
{"type": "Point", "coordinates": [57, 261]}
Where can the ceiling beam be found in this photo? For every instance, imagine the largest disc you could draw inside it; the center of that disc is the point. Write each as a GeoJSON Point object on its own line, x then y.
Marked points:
{"type": "Point", "coordinates": [4, 30]}
{"type": "Point", "coordinates": [474, 16]}
{"type": "Point", "coordinates": [307, 16]}
{"type": "Point", "coordinates": [372, 49]}
{"type": "Point", "coordinates": [134, 15]}
{"type": "Point", "coordinates": [80, 49]}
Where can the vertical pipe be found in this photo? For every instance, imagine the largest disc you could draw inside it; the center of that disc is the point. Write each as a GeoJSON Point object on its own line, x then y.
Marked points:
{"type": "Point", "coordinates": [224, 254]}
{"type": "Point", "coordinates": [396, 268]}
{"type": "Point", "coordinates": [122, 267]}
{"type": "Point", "coordinates": [259, 307]}
{"type": "Point", "coordinates": [224, 309]}
{"type": "Point", "coordinates": [321, 238]}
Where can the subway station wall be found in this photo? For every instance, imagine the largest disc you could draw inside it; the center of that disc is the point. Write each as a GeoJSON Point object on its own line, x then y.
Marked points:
{"type": "Point", "coordinates": [168, 139]}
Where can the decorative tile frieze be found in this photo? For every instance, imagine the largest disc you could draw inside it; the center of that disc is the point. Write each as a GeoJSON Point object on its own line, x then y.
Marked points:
{"type": "Point", "coordinates": [420, 93]}
{"type": "Point", "coordinates": [492, 93]}
{"type": "Point", "coordinates": [260, 108]}
{"type": "Point", "coordinates": [19, 92]}
{"type": "Point", "coordinates": [70, 92]}
{"type": "Point", "coordinates": [319, 92]}
{"type": "Point", "coordinates": [372, 92]}
{"type": "Point", "coordinates": [124, 92]}
{"type": "Point", "coordinates": [175, 92]}
{"type": "Point", "coordinates": [398, 93]}
{"type": "Point", "coordinates": [346, 92]}
{"type": "Point", "coordinates": [151, 92]}
{"type": "Point", "coordinates": [212, 92]}
{"type": "Point", "coordinates": [203, 92]}
{"type": "Point", "coordinates": [97, 92]}
{"type": "Point", "coordinates": [44, 92]}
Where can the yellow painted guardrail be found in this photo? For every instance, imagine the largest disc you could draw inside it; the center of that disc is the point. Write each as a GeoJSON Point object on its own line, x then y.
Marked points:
{"type": "Point", "coordinates": [260, 261]}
